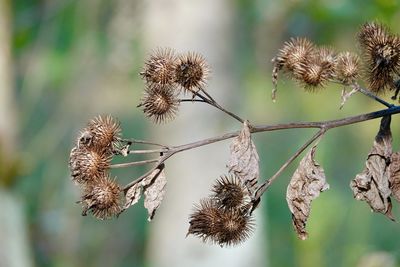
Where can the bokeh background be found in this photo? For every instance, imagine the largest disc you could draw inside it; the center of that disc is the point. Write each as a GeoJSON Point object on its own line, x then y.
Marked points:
{"type": "Point", "coordinates": [64, 61]}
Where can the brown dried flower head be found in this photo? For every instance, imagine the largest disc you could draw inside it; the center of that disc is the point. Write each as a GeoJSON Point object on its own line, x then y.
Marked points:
{"type": "Point", "coordinates": [230, 192]}
{"type": "Point", "coordinates": [160, 67]}
{"type": "Point", "coordinates": [101, 134]}
{"type": "Point", "coordinates": [347, 68]}
{"type": "Point", "coordinates": [315, 74]}
{"type": "Point", "coordinates": [217, 225]}
{"type": "Point", "coordinates": [102, 198]}
{"type": "Point", "coordinates": [204, 220]}
{"type": "Point", "coordinates": [87, 166]}
{"type": "Point", "coordinates": [191, 71]}
{"type": "Point", "coordinates": [295, 53]}
{"type": "Point", "coordinates": [382, 55]}
{"type": "Point", "coordinates": [234, 227]}
{"type": "Point", "coordinates": [317, 69]}
{"type": "Point", "coordinates": [160, 103]}
{"type": "Point", "coordinates": [327, 57]}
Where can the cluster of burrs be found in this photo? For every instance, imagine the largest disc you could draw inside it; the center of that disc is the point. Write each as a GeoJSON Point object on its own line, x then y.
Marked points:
{"type": "Point", "coordinates": [314, 66]}
{"type": "Point", "coordinates": [166, 76]}
{"type": "Point", "coordinates": [225, 217]}
{"type": "Point", "coordinates": [90, 161]}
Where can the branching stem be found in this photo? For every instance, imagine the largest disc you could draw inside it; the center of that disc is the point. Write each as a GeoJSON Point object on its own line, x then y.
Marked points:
{"type": "Point", "coordinates": [322, 125]}
{"type": "Point", "coordinates": [264, 186]}
{"type": "Point", "coordinates": [134, 163]}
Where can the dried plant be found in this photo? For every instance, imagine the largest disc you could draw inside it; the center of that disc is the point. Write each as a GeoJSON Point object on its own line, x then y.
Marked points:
{"type": "Point", "coordinates": [160, 103]}
{"type": "Point", "coordinates": [381, 50]}
{"type": "Point", "coordinates": [225, 216]}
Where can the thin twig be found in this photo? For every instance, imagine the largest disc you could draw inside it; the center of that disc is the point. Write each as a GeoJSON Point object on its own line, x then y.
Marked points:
{"type": "Point", "coordinates": [371, 95]}
{"type": "Point", "coordinates": [135, 141]}
{"type": "Point", "coordinates": [134, 163]}
{"type": "Point", "coordinates": [147, 151]}
{"type": "Point", "coordinates": [159, 166]}
{"type": "Point", "coordinates": [192, 100]}
{"type": "Point", "coordinates": [322, 125]}
{"type": "Point", "coordinates": [263, 187]}
{"type": "Point", "coordinates": [213, 103]}
{"type": "Point", "coordinates": [208, 95]}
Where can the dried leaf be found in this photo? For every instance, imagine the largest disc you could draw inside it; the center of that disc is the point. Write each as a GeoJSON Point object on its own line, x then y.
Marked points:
{"type": "Point", "coordinates": [394, 177]}
{"type": "Point", "coordinates": [154, 191]}
{"type": "Point", "coordinates": [132, 196]}
{"type": "Point", "coordinates": [346, 95]}
{"type": "Point", "coordinates": [372, 184]}
{"type": "Point", "coordinates": [306, 184]}
{"type": "Point", "coordinates": [244, 160]}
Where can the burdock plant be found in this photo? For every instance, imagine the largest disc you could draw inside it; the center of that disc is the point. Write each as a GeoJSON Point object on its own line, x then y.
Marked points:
{"type": "Point", "coordinates": [226, 217]}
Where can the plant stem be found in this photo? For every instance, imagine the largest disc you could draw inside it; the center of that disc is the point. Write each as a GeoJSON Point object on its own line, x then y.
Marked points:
{"type": "Point", "coordinates": [147, 151]}
{"type": "Point", "coordinates": [371, 95]}
{"type": "Point", "coordinates": [322, 125]}
{"type": "Point", "coordinates": [264, 186]}
{"type": "Point", "coordinates": [133, 163]}
{"type": "Point", "coordinates": [214, 103]}
{"type": "Point", "coordinates": [135, 141]}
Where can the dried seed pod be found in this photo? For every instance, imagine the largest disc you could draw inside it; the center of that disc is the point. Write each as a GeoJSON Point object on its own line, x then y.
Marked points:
{"type": "Point", "coordinates": [204, 219]}
{"type": "Point", "coordinates": [347, 68]}
{"type": "Point", "coordinates": [382, 55]}
{"type": "Point", "coordinates": [222, 226]}
{"type": "Point", "coordinates": [160, 103]}
{"type": "Point", "coordinates": [234, 227]}
{"type": "Point", "coordinates": [230, 192]}
{"type": "Point", "coordinates": [87, 166]}
{"type": "Point", "coordinates": [327, 56]}
{"type": "Point", "coordinates": [315, 74]}
{"type": "Point", "coordinates": [191, 71]}
{"type": "Point", "coordinates": [295, 53]}
{"type": "Point", "coordinates": [102, 198]}
{"type": "Point", "coordinates": [160, 67]}
{"type": "Point", "coordinates": [101, 134]}
{"type": "Point", "coordinates": [317, 69]}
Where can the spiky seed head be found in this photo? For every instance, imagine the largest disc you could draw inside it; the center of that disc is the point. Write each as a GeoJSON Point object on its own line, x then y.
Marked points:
{"type": "Point", "coordinates": [234, 227]}
{"type": "Point", "coordinates": [87, 166]}
{"type": "Point", "coordinates": [381, 52]}
{"type": "Point", "coordinates": [347, 68]}
{"type": "Point", "coordinates": [315, 74]}
{"type": "Point", "coordinates": [101, 134]}
{"type": "Point", "coordinates": [326, 56]}
{"type": "Point", "coordinates": [295, 53]}
{"type": "Point", "coordinates": [204, 219]}
{"type": "Point", "coordinates": [160, 103]}
{"type": "Point", "coordinates": [160, 67]}
{"type": "Point", "coordinates": [191, 71]}
{"type": "Point", "coordinates": [230, 192]}
{"type": "Point", "coordinates": [102, 198]}
{"type": "Point", "coordinates": [218, 225]}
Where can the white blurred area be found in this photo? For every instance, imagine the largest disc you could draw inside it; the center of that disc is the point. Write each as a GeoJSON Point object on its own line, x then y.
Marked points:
{"type": "Point", "coordinates": [203, 26]}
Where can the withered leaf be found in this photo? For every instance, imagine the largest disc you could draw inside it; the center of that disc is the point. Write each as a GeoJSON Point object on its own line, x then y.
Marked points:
{"type": "Point", "coordinates": [244, 160]}
{"type": "Point", "coordinates": [372, 184]}
{"type": "Point", "coordinates": [394, 177]}
{"type": "Point", "coordinates": [132, 196]}
{"type": "Point", "coordinates": [154, 191]}
{"type": "Point", "coordinates": [306, 184]}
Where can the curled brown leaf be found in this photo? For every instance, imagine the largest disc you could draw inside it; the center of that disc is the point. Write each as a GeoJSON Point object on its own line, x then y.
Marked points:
{"type": "Point", "coordinates": [372, 184]}
{"type": "Point", "coordinates": [244, 160]}
{"type": "Point", "coordinates": [154, 191]}
{"type": "Point", "coordinates": [306, 184]}
{"type": "Point", "coordinates": [132, 196]}
{"type": "Point", "coordinates": [394, 177]}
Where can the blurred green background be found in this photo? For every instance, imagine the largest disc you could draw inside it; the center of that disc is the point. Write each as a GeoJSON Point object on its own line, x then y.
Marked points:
{"type": "Point", "coordinates": [67, 61]}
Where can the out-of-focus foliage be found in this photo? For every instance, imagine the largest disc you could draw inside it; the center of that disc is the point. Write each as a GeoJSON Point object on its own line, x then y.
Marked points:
{"type": "Point", "coordinates": [76, 59]}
